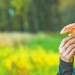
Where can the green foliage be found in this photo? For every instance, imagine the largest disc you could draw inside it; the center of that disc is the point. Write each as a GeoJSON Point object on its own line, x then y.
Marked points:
{"type": "Point", "coordinates": [36, 15]}
{"type": "Point", "coordinates": [20, 6]}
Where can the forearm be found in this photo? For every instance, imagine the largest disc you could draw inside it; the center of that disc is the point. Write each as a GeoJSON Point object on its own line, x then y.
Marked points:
{"type": "Point", "coordinates": [65, 68]}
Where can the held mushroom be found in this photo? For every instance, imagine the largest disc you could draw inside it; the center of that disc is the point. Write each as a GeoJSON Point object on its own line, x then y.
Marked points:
{"type": "Point", "coordinates": [69, 28]}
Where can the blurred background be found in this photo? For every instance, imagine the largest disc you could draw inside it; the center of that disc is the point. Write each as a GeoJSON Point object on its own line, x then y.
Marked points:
{"type": "Point", "coordinates": [30, 35]}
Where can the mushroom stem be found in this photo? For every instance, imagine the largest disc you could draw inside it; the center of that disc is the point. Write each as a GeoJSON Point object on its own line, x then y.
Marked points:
{"type": "Point", "coordinates": [71, 32]}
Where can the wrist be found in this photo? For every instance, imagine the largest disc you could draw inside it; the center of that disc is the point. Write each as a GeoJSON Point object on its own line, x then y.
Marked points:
{"type": "Point", "coordinates": [67, 60]}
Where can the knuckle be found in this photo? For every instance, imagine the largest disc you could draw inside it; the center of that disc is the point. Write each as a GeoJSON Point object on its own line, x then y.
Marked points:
{"type": "Point", "coordinates": [65, 39]}
{"type": "Point", "coordinates": [67, 45]}
{"type": "Point", "coordinates": [71, 46]}
{"type": "Point", "coordinates": [60, 51]}
{"type": "Point", "coordinates": [73, 51]}
{"type": "Point", "coordinates": [70, 41]}
{"type": "Point", "coordinates": [63, 55]}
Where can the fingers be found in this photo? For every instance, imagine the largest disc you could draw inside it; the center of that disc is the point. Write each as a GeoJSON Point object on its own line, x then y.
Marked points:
{"type": "Point", "coordinates": [70, 55]}
{"type": "Point", "coordinates": [69, 49]}
{"type": "Point", "coordinates": [65, 40]}
{"type": "Point", "coordinates": [67, 55]}
{"type": "Point", "coordinates": [70, 42]}
{"type": "Point", "coordinates": [68, 45]}
{"type": "Point", "coordinates": [62, 50]}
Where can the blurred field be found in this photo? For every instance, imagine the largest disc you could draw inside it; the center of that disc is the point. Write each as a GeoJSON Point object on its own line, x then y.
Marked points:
{"type": "Point", "coordinates": [29, 54]}
{"type": "Point", "coordinates": [29, 35]}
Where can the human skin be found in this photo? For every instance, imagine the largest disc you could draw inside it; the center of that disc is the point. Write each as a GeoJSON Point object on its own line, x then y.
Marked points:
{"type": "Point", "coordinates": [67, 48]}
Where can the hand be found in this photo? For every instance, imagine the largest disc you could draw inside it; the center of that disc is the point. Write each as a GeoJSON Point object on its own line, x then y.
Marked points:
{"type": "Point", "coordinates": [67, 48]}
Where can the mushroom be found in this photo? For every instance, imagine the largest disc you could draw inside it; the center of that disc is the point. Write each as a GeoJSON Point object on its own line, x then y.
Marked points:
{"type": "Point", "coordinates": [69, 28]}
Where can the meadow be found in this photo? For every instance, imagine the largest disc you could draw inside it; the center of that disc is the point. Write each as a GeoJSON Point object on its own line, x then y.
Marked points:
{"type": "Point", "coordinates": [29, 54]}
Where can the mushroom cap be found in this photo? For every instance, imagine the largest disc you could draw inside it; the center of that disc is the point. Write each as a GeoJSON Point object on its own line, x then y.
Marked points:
{"type": "Point", "coordinates": [68, 28]}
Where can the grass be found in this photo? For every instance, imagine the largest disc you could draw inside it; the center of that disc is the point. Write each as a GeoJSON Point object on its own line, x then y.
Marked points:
{"type": "Point", "coordinates": [47, 43]}
{"type": "Point", "coordinates": [27, 62]}
{"type": "Point", "coordinates": [29, 54]}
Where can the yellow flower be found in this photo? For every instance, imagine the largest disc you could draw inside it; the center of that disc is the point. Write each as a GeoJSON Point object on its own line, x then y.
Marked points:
{"type": "Point", "coordinates": [8, 63]}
